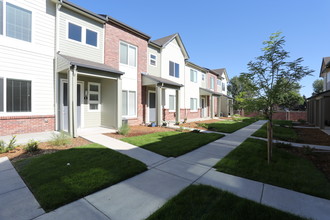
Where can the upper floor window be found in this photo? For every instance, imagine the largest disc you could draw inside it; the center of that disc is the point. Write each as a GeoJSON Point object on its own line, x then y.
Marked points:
{"type": "Point", "coordinates": [223, 87]}
{"type": "Point", "coordinates": [219, 82]}
{"type": "Point", "coordinates": [193, 75]}
{"type": "Point", "coordinates": [127, 54]}
{"type": "Point", "coordinates": [91, 37]}
{"type": "Point", "coordinates": [18, 95]}
{"type": "Point", "coordinates": [81, 34]}
{"type": "Point", "coordinates": [203, 76]}
{"type": "Point", "coordinates": [75, 32]}
{"type": "Point", "coordinates": [153, 60]}
{"type": "Point", "coordinates": [174, 69]}
{"type": "Point", "coordinates": [18, 22]}
{"type": "Point", "coordinates": [211, 83]}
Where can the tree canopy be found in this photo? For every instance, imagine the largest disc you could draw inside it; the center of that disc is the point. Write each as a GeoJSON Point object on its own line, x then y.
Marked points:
{"type": "Point", "coordinates": [318, 86]}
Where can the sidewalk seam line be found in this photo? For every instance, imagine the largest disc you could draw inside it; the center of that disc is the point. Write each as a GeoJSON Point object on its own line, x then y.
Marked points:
{"type": "Point", "coordinates": [14, 190]}
{"type": "Point", "coordinates": [96, 208]}
{"type": "Point", "coordinates": [173, 174]}
{"type": "Point", "coordinates": [262, 192]}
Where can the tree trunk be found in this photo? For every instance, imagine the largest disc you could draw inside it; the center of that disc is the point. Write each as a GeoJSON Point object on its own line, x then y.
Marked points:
{"type": "Point", "coordinates": [269, 140]}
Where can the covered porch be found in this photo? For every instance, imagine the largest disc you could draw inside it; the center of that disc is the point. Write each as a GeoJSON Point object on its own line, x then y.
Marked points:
{"type": "Point", "coordinates": [154, 89]}
{"type": "Point", "coordinates": [88, 95]}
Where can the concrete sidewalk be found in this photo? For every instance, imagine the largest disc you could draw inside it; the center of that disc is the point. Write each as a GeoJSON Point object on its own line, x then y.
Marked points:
{"type": "Point", "coordinates": [16, 200]}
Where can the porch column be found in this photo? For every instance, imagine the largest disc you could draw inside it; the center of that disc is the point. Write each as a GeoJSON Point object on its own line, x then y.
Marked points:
{"type": "Point", "coordinates": [231, 106]}
{"type": "Point", "coordinates": [321, 112]}
{"type": "Point", "coordinates": [72, 101]}
{"type": "Point", "coordinates": [219, 106]}
{"type": "Point", "coordinates": [158, 105]}
{"type": "Point", "coordinates": [315, 112]}
{"type": "Point", "coordinates": [177, 110]}
{"type": "Point", "coordinates": [212, 106]}
{"type": "Point", "coordinates": [119, 104]}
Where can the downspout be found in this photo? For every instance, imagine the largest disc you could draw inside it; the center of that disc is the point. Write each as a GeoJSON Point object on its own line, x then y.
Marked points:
{"type": "Point", "coordinates": [56, 78]}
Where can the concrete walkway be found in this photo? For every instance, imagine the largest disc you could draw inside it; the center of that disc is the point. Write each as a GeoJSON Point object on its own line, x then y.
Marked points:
{"type": "Point", "coordinates": [16, 200]}
{"type": "Point", "coordinates": [141, 195]}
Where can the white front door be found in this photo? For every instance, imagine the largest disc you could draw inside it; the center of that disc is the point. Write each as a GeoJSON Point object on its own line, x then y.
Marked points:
{"type": "Point", "coordinates": [152, 106]}
{"type": "Point", "coordinates": [64, 104]}
{"type": "Point", "coordinates": [203, 106]}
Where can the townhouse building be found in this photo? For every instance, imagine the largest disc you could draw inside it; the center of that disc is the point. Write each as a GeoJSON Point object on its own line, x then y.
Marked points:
{"type": "Point", "coordinates": [64, 67]}
{"type": "Point", "coordinates": [318, 105]}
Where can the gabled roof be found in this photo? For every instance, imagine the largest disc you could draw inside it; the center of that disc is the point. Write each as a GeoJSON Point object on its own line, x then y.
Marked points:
{"type": "Point", "coordinates": [188, 63]}
{"type": "Point", "coordinates": [162, 42]}
{"type": "Point", "coordinates": [221, 71]}
{"type": "Point", "coordinates": [325, 64]}
{"type": "Point", "coordinates": [74, 61]}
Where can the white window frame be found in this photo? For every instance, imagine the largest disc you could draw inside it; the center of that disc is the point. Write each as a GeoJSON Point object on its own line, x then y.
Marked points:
{"type": "Point", "coordinates": [4, 19]}
{"type": "Point", "coordinates": [174, 104]}
{"type": "Point", "coordinates": [211, 83]}
{"type": "Point", "coordinates": [136, 54]}
{"type": "Point", "coordinates": [151, 59]}
{"type": "Point", "coordinates": [194, 74]}
{"type": "Point", "coordinates": [219, 82]}
{"type": "Point", "coordinates": [223, 86]}
{"type": "Point", "coordinates": [169, 70]}
{"type": "Point", "coordinates": [98, 102]}
{"type": "Point", "coordinates": [195, 105]}
{"type": "Point", "coordinates": [128, 102]}
{"type": "Point", "coordinates": [203, 76]}
{"type": "Point", "coordinates": [83, 35]}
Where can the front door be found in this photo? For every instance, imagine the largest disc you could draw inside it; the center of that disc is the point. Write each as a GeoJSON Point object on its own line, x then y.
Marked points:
{"type": "Point", "coordinates": [64, 105]}
{"type": "Point", "coordinates": [152, 107]}
{"type": "Point", "coordinates": [203, 106]}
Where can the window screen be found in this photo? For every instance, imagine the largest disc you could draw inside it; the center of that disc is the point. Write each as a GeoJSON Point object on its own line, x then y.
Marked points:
{"type": "Point", "coordinates": [132, 103]}
{"type": "Point", "coordinates": [132, 56]}
{"type": "Point", "coordinates": [1, 95]}
{"type": "Point", "coordinates": [177, 70]}
{"type": "Point", "coordinates": [74, 32]}
{"type": "Point", "coordinates": [171, 68]}
{"type": "Point", "coordinates": [18, 23]}
{"type": "Point", "coordinates": [123, 53]}
{"type": "Point", "coordinates": [171, 102]}
{"type": "Point", "coordinates": [18, 95]}
{"type": "Point", "coordinates": [124, 103]}
{"type": "Point", "coordinates": [91, 38]}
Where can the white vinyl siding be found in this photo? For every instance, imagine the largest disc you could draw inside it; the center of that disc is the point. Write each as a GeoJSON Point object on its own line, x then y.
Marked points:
{"type": "Point", "coordinates": [193, 104]}
{"type": "Point", "coordinates": [127, 54]}
{"type": "Point", "coordinates": [193, 75]}
{"type": "Point", "coordinates": [171, 102]}
{"type": "Point", "coordinates": [18, 22]}
{"type": "Point", "coordinates": [94, 96]}
{"type": "Point", "coordinates": [129, 103]}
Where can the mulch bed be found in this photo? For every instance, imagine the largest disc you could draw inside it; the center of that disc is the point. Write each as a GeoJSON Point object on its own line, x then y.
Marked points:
{"type": "Point", "coordinates": [44, 148]}
{"type": "Point", "coordinates": [320, 159]}
{"type": "Point", "coordinates": [139, 130]}
{"type": "Point", "coordinates": [196, 123]}
{"type": "Point", "coordinates": [313, 136]}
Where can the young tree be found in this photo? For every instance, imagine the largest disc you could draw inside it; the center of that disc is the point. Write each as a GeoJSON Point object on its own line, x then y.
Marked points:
{"type": "Point", "coordinates": [274, 75]}
{"type": "Point", "coordinates": [318, 86]}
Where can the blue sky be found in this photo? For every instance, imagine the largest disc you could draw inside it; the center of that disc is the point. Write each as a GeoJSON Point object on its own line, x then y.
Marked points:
{"type": "Point", "coordinates": [228, 34]}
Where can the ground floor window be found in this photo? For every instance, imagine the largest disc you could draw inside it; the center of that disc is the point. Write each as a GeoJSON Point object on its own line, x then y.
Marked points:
{"type": "Point", "coordinates": [171, 102]}
{"type": "Point", "coordinates": [18, 95]}
{"type": "Point", "coordinates": [94, 96]}
{"type": "Point", "coordinates": [193, 104]}
{"type": "Point", "coordinates": [129, 103]}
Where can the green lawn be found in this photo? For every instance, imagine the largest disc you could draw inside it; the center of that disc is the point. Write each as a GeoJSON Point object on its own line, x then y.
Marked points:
{"type": "Point", "coordinates": [92, 167]}
{"type": "Point", "coordinates": [249, 160]}
{"type": "Point", "coordinates": [205, 202]}
{"type": "Point", "coordinates": [279, 131]}
{"type": "Point", "coordinates": [172, 143]}
{"type": "Point", "coordinates": [229, 126]}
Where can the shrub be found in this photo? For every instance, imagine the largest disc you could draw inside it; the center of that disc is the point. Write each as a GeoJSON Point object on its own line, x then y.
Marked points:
{"type": "Point", "coordinates": [60, 139]}
{"type": "Point", "coordinates": [12, 143]}
{"type": "Point", "coordinates": [302, 121]}
{"type": "Point", "coordinates": [32, 146]}
{"type": "Point", "coordinates": [2, 146]}
{"type": "Point", "coordinates": [124, 129]}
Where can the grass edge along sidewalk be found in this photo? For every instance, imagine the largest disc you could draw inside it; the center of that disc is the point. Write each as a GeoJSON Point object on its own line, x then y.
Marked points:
{"type": "Point", "coordinates": [65, 176]}
{"type": "Point", "coordinates": [229, 126]}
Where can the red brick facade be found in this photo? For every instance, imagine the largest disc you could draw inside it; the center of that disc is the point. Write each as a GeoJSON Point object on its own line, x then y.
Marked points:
{"type": "Point", "coordinates": [184, 113]}
{"type": "Point", "coordinates": [13, 125]}
{"type": "Point", "coordinates": [113, 35]}
{"type": "Point", "coordinates": [291, 115]}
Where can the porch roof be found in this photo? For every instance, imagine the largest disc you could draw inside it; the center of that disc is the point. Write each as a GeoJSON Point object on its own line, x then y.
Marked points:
{"type": "Point", "coordinates": [66, 61]}
{"type": "Point", "coordinates": [151, 80]}
{"type": "Point", "coordinates": [204, 91]}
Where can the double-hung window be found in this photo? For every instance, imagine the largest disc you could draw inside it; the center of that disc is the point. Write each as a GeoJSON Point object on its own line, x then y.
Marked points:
{"type": "Point", "coordinates": [129, 103]}
{"type": "Point", "coordinates": [171, 102]}
{"type": "Point", "coordinates": [94, 96]}
{"type": "Point", "coordinates": [153, 60]}
{"type": "Point", "coordinates": [223, 87]}
{"type": "Point", "coordinates": [219, 82]}
{"type": "Point", "coordinates": [127, 54]}
{"type": "Point", "coordinates": [18, 22]}
{"type": "Point", "coordinates": [18, 95]}
{"type": "Point", "coordinates": [193, 75]}
{"type": "Point", "coordinates": [211, 83]}
{"type": "Point", "coordinates": [193, 104]}
{"type": "Point", "coordinates": [203, 76]}
{"type": "Point", "coordinates": [174, 69]}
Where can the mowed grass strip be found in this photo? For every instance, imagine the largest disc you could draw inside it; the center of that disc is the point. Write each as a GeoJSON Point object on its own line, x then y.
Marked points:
{"type": "Point", "coordinates": [282, 130]}
{"type": "Point", "coordinates": [64, 176]}
{"type": "Point", "coordinates": [229, 126]}
{"type": "Point", "coordinates": [205, 202]}
{"type": "Point", "coordinates": [172, 143]}
{"type": "Point", "coordinates": [249, 160]}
